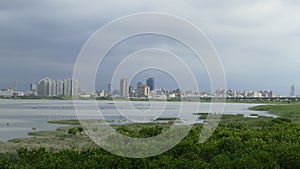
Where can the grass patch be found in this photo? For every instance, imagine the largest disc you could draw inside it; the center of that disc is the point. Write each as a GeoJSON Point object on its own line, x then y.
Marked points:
{"type": "Point", "coordinates": [289, 111]}
{"type": "Point", "coordinates": [203, 116]}
{"type": "Point", "coordinates": [68, 122]}
{"type": "Point", "coordinates": [167, 119]}
{"type": "Point", "coordinates": [77, 122]}
{"type": "Point", "coordinates": [258, 122]}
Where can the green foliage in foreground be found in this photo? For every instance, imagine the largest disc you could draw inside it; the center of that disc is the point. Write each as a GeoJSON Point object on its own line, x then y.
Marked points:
{"type": "Point", "coordinates": [275, 145]}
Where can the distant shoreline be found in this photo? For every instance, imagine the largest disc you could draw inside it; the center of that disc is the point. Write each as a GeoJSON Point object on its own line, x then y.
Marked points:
{"type": "Point", "coordinates": [225, 100]}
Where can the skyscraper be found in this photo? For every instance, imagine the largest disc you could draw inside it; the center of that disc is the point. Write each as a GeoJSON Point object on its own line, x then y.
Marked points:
{"type": "Point", "coordinates": [59, 87]}
{"type": "Point", "coordinates": [109, 92]}
{"type": "Point", "coordinates": [70, 87]}
{"type": "Point", "coordinates": [45, 87]}
{"type": "Point", "coordinates": [292, 91]}
{"type": "Point", "coordinates": [124, 87]}
{"type": "Point", "coordinates": [150, 83]}
{"type": "Point", "coordinates": [52, 87]}
{"type": "Point", "coordinates": [67, 86]}
{"type": "Point", "coordinates": [74, 88]}
{"type": "Point", "coordinates": [140, 89]}
{"type": "Point", "coordinates": [130, 91]}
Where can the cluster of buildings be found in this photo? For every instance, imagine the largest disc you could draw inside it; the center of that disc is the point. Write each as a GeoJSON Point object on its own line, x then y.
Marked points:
{"type": "Point", "coordinates": [48, 87]}
{"type": "Point", "coordinates": [52, 87]}
{"type": "Point", "coordinates": [244, 94]}
{"type": "Point", "coordinates": [8, 92]}
{"type": "Point", "coordinates": [141, 90]}
{"type": "Point", "coordinates": [147, 90]}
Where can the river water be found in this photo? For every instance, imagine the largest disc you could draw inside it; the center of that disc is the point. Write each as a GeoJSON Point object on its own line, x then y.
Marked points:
{"type": "Point", "coordinates": [18, 117]}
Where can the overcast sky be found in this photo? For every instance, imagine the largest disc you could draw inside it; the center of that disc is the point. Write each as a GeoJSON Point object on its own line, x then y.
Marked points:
{"type": "Point", "coordinates": [257, 41]}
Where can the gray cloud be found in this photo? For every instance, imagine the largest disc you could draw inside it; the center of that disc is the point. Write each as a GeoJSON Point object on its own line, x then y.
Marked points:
{"type": "Point", "coordinates": [257, 40]}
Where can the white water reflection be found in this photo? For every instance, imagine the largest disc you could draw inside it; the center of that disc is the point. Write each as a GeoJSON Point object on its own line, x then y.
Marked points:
{"type": "Point", "coordinates": [18, 117]}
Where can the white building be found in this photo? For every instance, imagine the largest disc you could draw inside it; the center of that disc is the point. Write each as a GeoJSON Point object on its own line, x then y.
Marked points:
{"type": "Point", "coordinates": [124, 87]}
{"type": "Point", "coordinates": [70, 87]}
{"type": "Point", "coordinates": [59, 88]}
{"type": "Point", "coordinates": [43, 88]}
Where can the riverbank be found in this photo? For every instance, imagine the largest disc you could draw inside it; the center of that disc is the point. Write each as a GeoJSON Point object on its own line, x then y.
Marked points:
{"type": "Point", "coordinates": [202, 100]}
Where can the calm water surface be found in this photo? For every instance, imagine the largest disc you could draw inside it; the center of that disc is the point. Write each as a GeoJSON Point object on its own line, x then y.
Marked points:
{"type": "Point", "coordinates": [18, 117]}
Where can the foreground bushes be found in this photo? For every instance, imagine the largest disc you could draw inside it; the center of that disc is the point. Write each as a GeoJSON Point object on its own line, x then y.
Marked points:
{"type": "Point", "coordinates": [276, 145]}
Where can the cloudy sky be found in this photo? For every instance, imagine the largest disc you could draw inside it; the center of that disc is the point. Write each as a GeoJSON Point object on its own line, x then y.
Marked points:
{"type": "Point", "coordinates": [257, 41]}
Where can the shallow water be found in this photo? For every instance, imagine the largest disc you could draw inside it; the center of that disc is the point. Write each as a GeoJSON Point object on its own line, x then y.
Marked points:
{"type": "Point", "coordinates": [18, 117]}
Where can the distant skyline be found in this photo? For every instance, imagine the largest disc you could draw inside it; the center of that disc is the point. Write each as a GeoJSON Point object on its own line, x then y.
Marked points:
{"type": "Point", "coordinates": [257, 41]}
{"type": "Point", "coordinates": [133, 83]}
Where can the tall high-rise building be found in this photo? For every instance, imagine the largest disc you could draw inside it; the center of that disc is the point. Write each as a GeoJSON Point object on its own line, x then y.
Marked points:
{"type": "Point", "coordinates": [150, 83]}
{"type": "Point", "coordinates": [74, 88]}
{"type": "Point", "coordinates": [130, 91]}
{"type": "Point", "coordinates": [44, 87]}
{"type": "Point", "coordinates": [109, 92]}
{"type": "Point", "coordinates": [59, 88]}
{"type": "Point", "coordinates": [140, 89]}
{"type": "Point", "coordinates": [67, 86]}
{"type": "Point", "coordinates": [124, 87]}
{"type": "Point", "coordinates": [293, 91]}
{"type": "Point", "coordinates": [52, 87]}
{"type": "Point", "coordinates": [70, 87]}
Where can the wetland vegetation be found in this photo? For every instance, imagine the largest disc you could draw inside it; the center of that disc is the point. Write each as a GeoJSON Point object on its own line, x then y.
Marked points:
{"type": "Point", "coordinates": [238, 142]}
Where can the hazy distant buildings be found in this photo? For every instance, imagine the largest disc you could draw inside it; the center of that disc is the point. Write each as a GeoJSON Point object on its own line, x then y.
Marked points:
{"type": "Point", "coordinates": [43, 87]}
{"type": "Point", "coordinates": [131, 91]}
{"type": "Point", "coordinates": [101, 93]}
{"type": "Point", "coordinates": [124, 87]}
{"type": "Point", "coordinates": [293, 91]}
{"type": "Point", "coordinates": [74, 88]}
{"type": "Point", "coordinates": [50, 87]}
{"type": "Point", "coordinates": [67, 87]}
{"type": "Point", "coordinates": [109, 91]}
{"type": "Point", "coordinates": [142, 90]}
{"type": "Point", "coordinates": [8, 92]}
{"type": "Point", "coordinates": [150, 83]}
{"type": "Point", "coordinates": [59, 88]}
{"type": "Point", "coordinates": [33, 88]}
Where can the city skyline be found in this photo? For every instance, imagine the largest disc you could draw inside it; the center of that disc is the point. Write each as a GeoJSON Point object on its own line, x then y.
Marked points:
{"type": "Point", "coordinates": [66, 87]}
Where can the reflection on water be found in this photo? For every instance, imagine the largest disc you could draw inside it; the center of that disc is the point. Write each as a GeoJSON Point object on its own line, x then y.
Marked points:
{"type": "Point", "coordinates": [18, 117]}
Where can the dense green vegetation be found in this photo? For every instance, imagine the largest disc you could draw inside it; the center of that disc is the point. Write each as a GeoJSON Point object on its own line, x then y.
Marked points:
{"type": "Point", "coordinates": [235, 145]}
{"type": "Point", "coordinates": [238, 142]}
